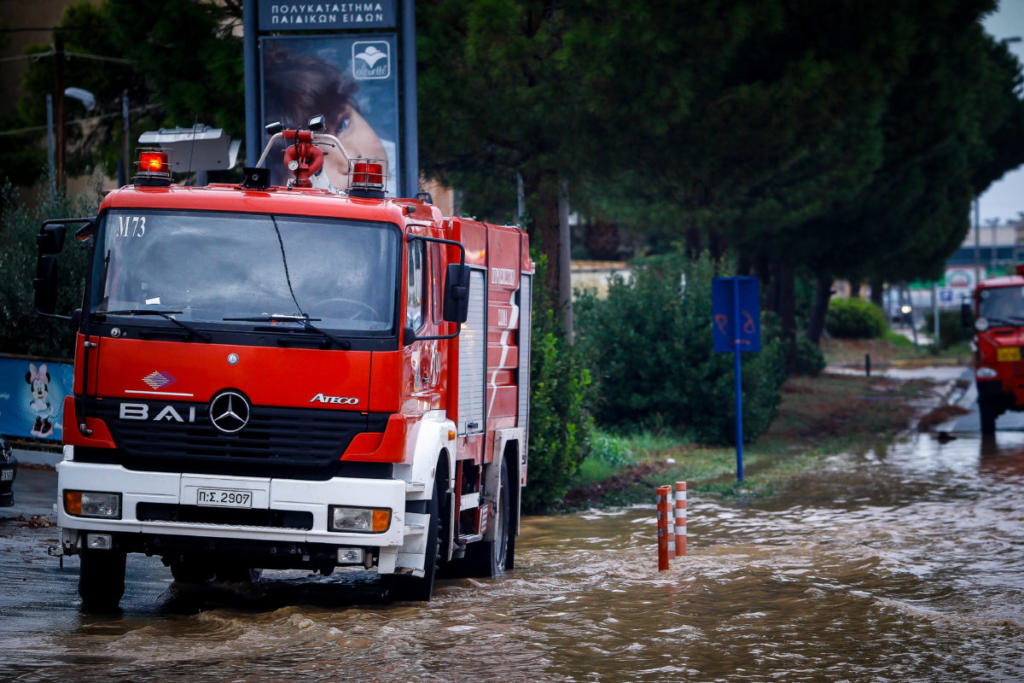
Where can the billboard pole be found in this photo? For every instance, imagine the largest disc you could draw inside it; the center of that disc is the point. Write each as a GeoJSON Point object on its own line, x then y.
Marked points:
{"type": "Point", "coordinates": [410, 139]}
{"type": "Point", "coordinates": [249, 57]}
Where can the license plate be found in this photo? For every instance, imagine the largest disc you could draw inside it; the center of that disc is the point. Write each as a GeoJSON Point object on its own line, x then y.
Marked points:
{"type": "Point", "coordinates": [1010, 353]}
{"type": "Point", "coordinates": [231, 498]}
{"type": "Point", "coordinates": [6, 475]}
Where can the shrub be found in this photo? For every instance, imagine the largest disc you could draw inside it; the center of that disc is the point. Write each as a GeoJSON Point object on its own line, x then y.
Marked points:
{"type": "Point", "coordinates": [854, 319]}
{"type": "Point", "coordinates": [560, 394]}
{"type": "Point", "coordinates": [810, 360]}
{"type": "Point", "coordinates": [21, 330]}
{"type": "Point", "coordinates": [650, 347]}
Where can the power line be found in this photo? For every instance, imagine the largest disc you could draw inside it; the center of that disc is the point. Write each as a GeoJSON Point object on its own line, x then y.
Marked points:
{"type": "Point", "coordinates": [89, 119]}
{"type": "Point", "coordinates": [79, 55]}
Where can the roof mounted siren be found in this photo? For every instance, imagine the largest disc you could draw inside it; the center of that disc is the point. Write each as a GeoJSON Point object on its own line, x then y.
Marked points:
{"type": "Point", "coordinates": [368, 178]}
{"type": "Point", "coordinates": [154, 170]}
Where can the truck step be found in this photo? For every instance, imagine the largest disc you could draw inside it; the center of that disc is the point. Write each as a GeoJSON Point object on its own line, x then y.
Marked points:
{"type": "Point", "coordinates": [469, 501]}
{"type": "Point", "coordinates": [470, 538]}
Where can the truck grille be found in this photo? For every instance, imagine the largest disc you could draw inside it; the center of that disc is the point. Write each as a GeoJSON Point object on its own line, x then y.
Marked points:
{"type": "Point", "coordinates": [304, 443]}
{"type": "Point", "coordinates": [280, 519]}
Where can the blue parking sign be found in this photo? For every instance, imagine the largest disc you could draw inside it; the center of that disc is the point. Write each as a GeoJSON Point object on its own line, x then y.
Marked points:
{"type": "Point", "coordinates": [724, 312]}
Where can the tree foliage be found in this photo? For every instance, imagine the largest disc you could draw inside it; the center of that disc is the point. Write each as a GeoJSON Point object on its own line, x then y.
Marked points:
{"type": "Point", "coordinates": [847, 136]}
{"type": "Point", "coordinates": [21, 330]}
{"type": "Point", "coordinates": [178, 62]}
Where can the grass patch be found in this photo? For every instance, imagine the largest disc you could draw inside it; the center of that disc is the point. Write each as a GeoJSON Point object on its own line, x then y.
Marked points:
{"type": "Point", "coordinates": [892, 349]}
{"type": "Point", "coordinates": [818, 417]}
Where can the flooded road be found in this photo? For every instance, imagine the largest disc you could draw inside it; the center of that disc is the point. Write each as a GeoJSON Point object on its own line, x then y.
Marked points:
{"type": "Point", "coordinates": [900, 564]}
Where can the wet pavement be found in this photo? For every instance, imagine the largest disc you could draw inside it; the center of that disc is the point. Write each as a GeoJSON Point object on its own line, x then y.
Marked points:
{"type": "Point", "coordinates": [904, 562]}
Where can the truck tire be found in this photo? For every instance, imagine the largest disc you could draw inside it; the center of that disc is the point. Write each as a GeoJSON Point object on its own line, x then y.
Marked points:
{"type": "Point", "coordinates": [101, 579]}
{"type": "Point", "coordinates": [489, 559]}
{"type": "Point", "coordinates": [420, 589]}
{"type": "Point", "coordinates": [987, 413]}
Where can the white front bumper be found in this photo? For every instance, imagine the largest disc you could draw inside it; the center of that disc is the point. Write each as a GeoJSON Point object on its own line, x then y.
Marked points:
{"type": "Point", "coordinates": [278, 494]}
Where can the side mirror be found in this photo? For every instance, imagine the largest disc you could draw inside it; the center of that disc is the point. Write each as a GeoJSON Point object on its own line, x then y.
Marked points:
{"type": "Point", "coordinates": [966, 314]}
{"type": "Point", "coordinates": [50, 239]}
{"type": "Point", "coordinates": [456, 293]}
{"type": "Point", "coordinates": [45, 284]}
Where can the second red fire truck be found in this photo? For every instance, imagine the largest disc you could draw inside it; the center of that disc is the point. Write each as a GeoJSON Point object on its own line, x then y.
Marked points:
{"type": "Point", "coordinates": [998, 318]}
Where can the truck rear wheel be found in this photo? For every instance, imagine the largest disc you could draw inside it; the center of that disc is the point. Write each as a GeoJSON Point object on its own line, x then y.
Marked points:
{"type": "Point", "coordinates": [414, 587]}
{"type": "Point", "coordinates": [490, 558]}
{"type": "Point", "coordinates": [101, 579]}
{"type": "Point", "coordinates": [987, 412]}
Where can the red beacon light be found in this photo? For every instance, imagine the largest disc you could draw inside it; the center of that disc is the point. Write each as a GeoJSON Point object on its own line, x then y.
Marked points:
{"type": "Point", "coordinates": [367, 177]}
{"type": "Point", "coordinates": [154, 169]}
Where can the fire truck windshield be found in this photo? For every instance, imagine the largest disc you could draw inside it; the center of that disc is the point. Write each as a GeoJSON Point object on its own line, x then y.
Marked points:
{"type": "Point", "coordinates": [1002, 304]}
{"type": "Point", "coordinates": [234, 268]}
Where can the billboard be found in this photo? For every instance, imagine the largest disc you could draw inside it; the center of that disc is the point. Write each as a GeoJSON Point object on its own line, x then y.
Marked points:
{"type": "Point", "coordinates": [352, 80]}
{"type": "Point", "coordinates": [32, 397]}
{"type": "Point", "coordinates": [287, 15]}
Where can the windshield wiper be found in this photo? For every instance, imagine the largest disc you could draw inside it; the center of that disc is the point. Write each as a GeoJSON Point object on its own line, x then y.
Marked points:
{"type": "Point", "coordinates": [167, 315]}
{"type": "Point", "coordinates": [303, 320]}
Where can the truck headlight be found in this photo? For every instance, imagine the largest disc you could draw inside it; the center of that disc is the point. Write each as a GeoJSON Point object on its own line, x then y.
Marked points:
{"type": "Point", "coordinates": [981, 324]}
{"type": "Point", "coordinates": [364, 520]}
{"type": "Point", "coordinates": [93, 504]}
{"type": "Point", "coordinates": [986, 373]}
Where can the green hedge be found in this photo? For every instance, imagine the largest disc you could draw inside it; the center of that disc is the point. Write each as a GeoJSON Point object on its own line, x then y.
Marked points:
{"type": "Point", "coordinates": [952, 330]}
{"type": "Point", "coordinates": [561, 392]}
{"type": "Point", "coordinates": [854, 319]}
{"type": "Point", "coordinates": [650, 348]}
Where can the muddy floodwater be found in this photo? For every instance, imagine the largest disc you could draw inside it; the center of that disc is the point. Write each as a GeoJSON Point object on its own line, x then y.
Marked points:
{"type": "Point", "coordinates": [898, 564]}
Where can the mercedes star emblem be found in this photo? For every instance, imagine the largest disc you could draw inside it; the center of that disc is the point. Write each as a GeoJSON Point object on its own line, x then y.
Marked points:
{"type": "Point", "coordinates": [229, 411]}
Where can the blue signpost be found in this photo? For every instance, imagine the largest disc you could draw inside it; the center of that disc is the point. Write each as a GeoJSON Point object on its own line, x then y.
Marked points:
{"type": "Point", "coordinates": [736, 316]}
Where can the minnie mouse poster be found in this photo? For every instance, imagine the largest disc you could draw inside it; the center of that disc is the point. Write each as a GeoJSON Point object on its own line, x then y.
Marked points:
{"type": "Point", "coordinates": [38, 380]}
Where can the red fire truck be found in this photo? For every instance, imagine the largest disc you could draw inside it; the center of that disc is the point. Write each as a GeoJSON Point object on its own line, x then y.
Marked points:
{"type": "Point", "coordinates": [291, 377]}
{"type": "Point", "coordinates": [998, 319]}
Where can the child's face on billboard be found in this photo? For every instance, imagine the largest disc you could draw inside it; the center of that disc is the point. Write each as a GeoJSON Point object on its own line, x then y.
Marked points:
{"type": "Point", "coordinates": [360, 141]}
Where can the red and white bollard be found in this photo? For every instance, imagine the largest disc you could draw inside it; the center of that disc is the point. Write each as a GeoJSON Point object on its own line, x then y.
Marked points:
{"type": "Point", "coordinates": [664, 511]}
{"type": "Point", "coordinates": [680, 521]}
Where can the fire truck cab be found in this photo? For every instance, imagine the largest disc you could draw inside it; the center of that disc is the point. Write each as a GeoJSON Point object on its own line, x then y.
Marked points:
{"type": "Point", "coordinates": [290, 377]}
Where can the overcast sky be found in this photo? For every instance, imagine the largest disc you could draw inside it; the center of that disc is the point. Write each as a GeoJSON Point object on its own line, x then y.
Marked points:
{"type": "Point", "coordinates": [1005, 198]}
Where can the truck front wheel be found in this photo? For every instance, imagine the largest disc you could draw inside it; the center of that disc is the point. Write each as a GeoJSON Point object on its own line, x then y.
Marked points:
{"type": "Point", "coordinates": [421, 588]}
{"type": "Point", "coordinates": [988, 413]}
{"type": "Point", "coordinates": [101, 579]}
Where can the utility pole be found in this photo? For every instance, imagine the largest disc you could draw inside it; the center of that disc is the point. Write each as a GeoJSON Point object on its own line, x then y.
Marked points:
{"type": "Point", "coordinates": [127, 134]}
{"type": "Point", "coordinates": [58, 100]}
{"type": "Point", "coordinates": [977, 243]}
{"type": "Point", "coordinates": [564, 260]}
{"type": "Point", "coordinates": [50, 146]}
